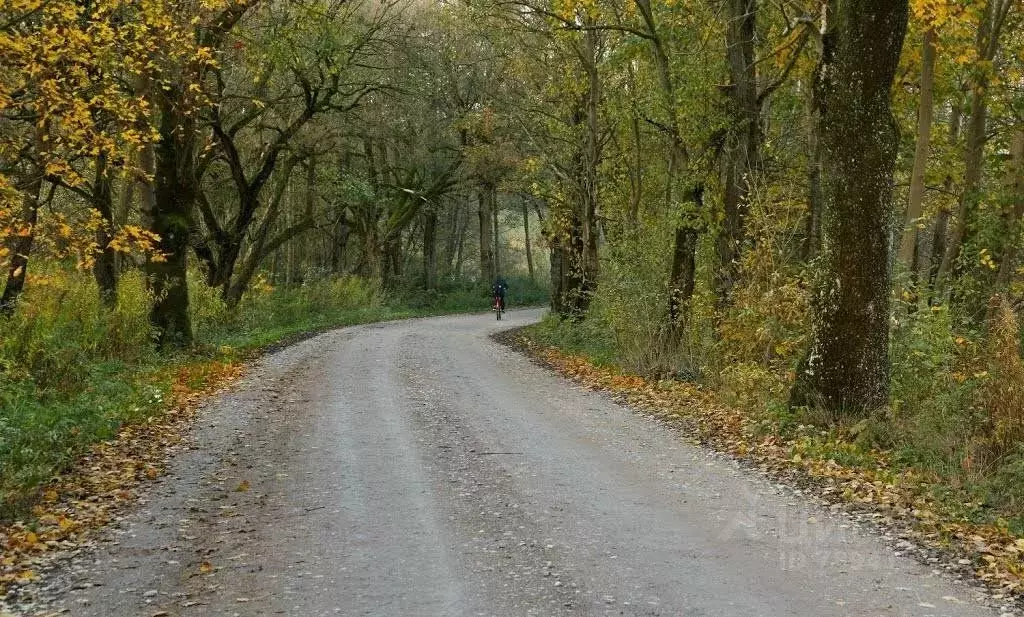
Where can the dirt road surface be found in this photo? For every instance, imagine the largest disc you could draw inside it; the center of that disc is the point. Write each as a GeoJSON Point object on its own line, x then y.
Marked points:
{"type": "Point", "coordinates": [418, 468]}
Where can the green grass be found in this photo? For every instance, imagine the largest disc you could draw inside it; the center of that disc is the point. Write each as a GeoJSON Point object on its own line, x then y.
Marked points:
{"type": "Point", "coordinates": [588, 338]}
{"type": "Point", "coordinates": [72, 374]}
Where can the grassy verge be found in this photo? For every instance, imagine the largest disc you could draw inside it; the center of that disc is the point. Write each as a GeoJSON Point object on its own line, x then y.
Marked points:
{"type": "Point", "coordinates": [73, 374]}
{"type": "Point", "coordinates": [843, 463]}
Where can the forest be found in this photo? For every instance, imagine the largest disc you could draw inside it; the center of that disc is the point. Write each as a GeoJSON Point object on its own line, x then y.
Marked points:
{"type": "Point", "coordinates": [813, 208]}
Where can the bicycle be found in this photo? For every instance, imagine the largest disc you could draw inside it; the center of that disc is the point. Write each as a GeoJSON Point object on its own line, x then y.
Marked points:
{"type": "Point", "coordinates": [499, 307]}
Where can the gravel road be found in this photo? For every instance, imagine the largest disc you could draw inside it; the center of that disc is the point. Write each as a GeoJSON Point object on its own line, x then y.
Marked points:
{"type": "Point", "coordinates": [418, 468]}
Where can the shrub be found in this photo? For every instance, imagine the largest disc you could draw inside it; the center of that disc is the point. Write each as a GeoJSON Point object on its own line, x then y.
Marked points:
{"type": "Point", "coordinates": [934, 384]}
{"type": "Point", "coordinates": [60, 329]}
{"type": "Point", "coordinates": [632, 302]}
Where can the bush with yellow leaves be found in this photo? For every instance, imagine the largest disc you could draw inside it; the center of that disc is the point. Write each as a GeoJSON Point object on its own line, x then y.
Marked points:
{"type": "Point", "coordinates": [1002, 396]}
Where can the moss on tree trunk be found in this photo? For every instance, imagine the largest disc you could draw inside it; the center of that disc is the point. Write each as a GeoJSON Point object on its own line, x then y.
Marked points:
{"type": "Point", "coordinates": [846, 370]}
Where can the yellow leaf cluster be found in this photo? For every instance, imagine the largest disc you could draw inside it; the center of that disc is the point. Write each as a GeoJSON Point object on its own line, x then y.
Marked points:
{"type": "Point", "coordinates": [73, 87]}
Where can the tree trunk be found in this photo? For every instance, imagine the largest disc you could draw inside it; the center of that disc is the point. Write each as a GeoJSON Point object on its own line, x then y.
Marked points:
{"type": "Point", "coordinates": [557, 275]}
{"type": "Point", "coordinates": [261, 248]}
{"type": "Point", "coordinates": [275, 269]}
{"type": "Point", "coordinates": [373, 255]}
{"type": "Point", "coordinates": [583, 236]}
{"type": "Point", "coordinates": [339, 242]}
{"type": "Point", "coordinates": [463, 224]}
{"type": "Point", "coordinates": [987, 43]}
{"type": "Point", "coordinates": [451, 236]}
{"type": "Point", "coordinates": [430, 248]}
{"type": "Point", "coordinates": [105, 267]}
{"type": "Point", "coordinates": [743, 143]}
{"type": "Point", "coordinates": [940, 231]}
{"type": "Point", "coordinates": [846, 369]}
{"type": "Point", "coordinates": [393, 261]}
{"type": "Point", "coordinates": [485, 212]}
{"type": "Point", "coordinates": [1013, 214]}
{"type": "Point", "coordinates": [571, 291]}
{"type": "Point", "coordinates": [969, 199]}
{"type": "Point", "coordinates": [636, 173]}
{"type": "Point", "coordinates": [676, 150]}
{"type": "Point", "coordinates": [682, 280]}
{"type": "Point", "coordinates": [940, 240]}
{"type": "Point", "coordinates": [497, 240]}
{"type": "Point", "coordinates": [815, 200]}
{"type": "Point", "coordinates": [915, 202]}
{"type": "Point", "coordinates": [528, 242]}
{"type": "Point", "coordinates": [21, 245]}
{"type": "Point", "coordinates": [125, 200]}
{"type": "Point", "coordinates": [169, 218]}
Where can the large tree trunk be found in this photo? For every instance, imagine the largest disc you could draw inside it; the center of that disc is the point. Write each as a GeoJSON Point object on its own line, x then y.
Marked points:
{"type": "Point", "coordinates": [485, 211]}
{"type": "Point", "coordinates": [373, 255]}
{"type": "Point", "coordinates": [571, 290]}
{"type": "Point", "coordinates": [169, 218]}
{"type": "Point", "coordinates": [742, 148]}
{"type": "Point", "coordinates": [915, 202]}
{"type": "Point", "coordinates": [846, 370]}
{"type": "Point", "coordinates": [574, 243]}
{"type": "Point", "coordinates": [393, 260]}
{"type": "Point", "coordinates": [105, 267]}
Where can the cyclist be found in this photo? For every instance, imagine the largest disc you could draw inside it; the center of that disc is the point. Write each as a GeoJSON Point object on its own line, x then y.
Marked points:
{"type": "Point", "coordinates": [500, 287]}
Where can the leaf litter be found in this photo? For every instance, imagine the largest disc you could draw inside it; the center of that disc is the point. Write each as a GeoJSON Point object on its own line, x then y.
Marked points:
{"type": "Point", "coordinates": [898, 499]}
{"type": "Point", "coordinates": [75, 505]}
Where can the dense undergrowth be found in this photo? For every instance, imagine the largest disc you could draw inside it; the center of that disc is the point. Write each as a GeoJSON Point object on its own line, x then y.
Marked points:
{"type": "Point", "coordinates": [73, 373]}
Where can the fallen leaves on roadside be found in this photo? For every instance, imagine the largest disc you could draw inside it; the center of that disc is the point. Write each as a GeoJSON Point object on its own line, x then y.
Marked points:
{"type": "Point", "coordinates": [899, 497]}
{"type": "Point", "coordinates": [75, 504]}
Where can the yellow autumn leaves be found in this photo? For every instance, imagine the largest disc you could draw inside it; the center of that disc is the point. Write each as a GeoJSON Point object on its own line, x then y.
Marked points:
{"type": "Point", "coordinates": [73, 88]}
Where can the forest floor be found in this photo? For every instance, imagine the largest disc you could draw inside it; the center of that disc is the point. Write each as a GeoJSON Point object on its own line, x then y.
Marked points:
{"type": "Point", "coordinates": [422, 468]}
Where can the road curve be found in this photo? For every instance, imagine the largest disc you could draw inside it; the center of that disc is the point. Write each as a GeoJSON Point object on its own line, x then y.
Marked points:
{"type": "Point", "coordinates": [419, 469]}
